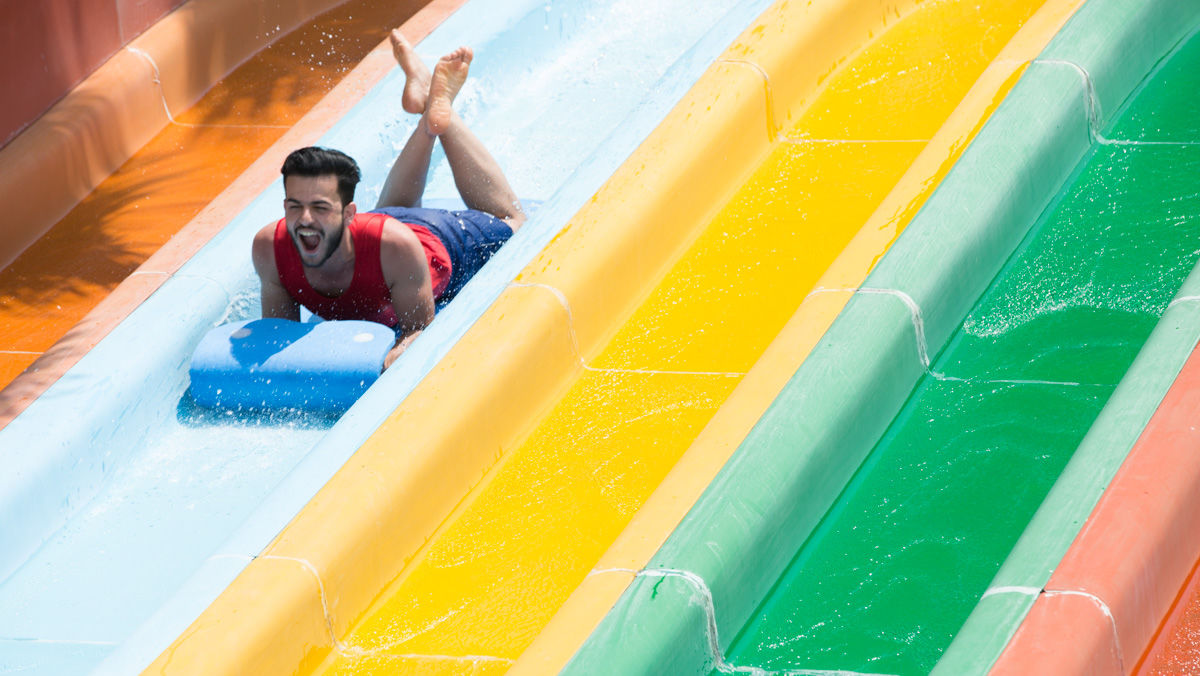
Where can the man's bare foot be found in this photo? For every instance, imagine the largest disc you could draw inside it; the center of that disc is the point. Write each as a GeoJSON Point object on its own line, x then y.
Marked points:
{"type": "Point", "coordinates": [448, 77]}
{"type": "Point", "coordinates": [416, 87]}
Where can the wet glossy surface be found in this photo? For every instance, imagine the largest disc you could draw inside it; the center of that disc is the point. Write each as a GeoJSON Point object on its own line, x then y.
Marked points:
{"type": "Point", "coordinates": [1167, 110]}
{"type": "Point", "coordinates": [901, 559]}
{"type": "Point", "coordinates": [1183, 656]}
{"type": "Point", "coordinates": [58, 280]}
{"type": "Point", "coordinates": [1176, 650]}
{"type": "Point", "coordinates": [83, 575]}
{"type": "Point", "coordinates": [1173, 113]}
{"type": "Point", "coordinates": [488, 584]}
{"type": "Point", "coordinates": [496, 572]}
{"type": "Point", "coordinates": [160, 460]}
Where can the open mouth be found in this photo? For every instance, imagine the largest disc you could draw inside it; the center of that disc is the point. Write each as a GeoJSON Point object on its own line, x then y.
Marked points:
{"type": "Point", "coordinates": [308, 239]}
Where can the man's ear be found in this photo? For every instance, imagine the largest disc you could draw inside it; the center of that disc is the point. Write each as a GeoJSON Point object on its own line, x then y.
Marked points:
{"type": "Point", "coordinates": [349, 211]}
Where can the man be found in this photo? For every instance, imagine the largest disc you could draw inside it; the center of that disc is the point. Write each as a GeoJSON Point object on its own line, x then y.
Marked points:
{"type": "Point", "coordinates": [390, 265]}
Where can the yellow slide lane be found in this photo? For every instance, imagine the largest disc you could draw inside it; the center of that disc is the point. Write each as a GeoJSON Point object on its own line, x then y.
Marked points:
{"type": "Point", "coordinates": [572, 427]}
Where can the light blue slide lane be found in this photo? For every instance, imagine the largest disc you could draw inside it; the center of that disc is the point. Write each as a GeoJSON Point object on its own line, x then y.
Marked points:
{"type": "Point", "coordinates": [124, 510]}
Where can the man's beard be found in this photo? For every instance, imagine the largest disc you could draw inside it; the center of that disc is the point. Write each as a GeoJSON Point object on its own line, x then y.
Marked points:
{"type": "Point", "coordinates": [334, 242]}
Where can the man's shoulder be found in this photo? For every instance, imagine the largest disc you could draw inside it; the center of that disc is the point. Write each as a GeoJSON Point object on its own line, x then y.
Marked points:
{"type": "Point", "coordinates": [401, 254]}
{"type": "Point", "coordinates": [263, 248]}
{"type": "Point", "coordinates": [267, 231]}
{"type": "Point", "coordinates": [265, 236]}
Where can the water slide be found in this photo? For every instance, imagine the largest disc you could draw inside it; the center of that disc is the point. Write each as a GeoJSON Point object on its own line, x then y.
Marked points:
{"type": "Point", "coordinates": [121, 180]}
{"type": "Point", "coordinates": [503, 507]}
{"type": "Point", "coordinates": [1128, 585]}
{"type": "Point", "coordinates": [125, 509]}
{"type": "Point", "coordinates": [902, 505]}
{"type": "Point", "coordinates": [495, 545]}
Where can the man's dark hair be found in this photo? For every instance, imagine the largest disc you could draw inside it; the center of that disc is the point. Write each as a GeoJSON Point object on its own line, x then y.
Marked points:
{"type": "Point", "coordinates": [314, 161]}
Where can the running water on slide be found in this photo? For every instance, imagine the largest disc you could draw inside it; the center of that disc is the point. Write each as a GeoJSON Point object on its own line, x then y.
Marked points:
{"type": "Point", "coordinates": [1162, 127]}
{"type": "Point", "coordinates": [903, 556]}
{"type": "Point", "coordinates": [901, 559]}
{"type": "Point", "coordinates": [636, 359]}
{"type": "Point", "coordinates": [137, 508]}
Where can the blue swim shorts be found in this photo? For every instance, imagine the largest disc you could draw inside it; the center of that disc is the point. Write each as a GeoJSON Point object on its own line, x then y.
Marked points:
{"type": "Point", "coordinates": [470, 237]}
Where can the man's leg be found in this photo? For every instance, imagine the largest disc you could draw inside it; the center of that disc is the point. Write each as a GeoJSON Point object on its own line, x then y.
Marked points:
{"type": "Point", "coordinates": [405, 183]}
{"type": "Point", "coordinates": [480, 182]}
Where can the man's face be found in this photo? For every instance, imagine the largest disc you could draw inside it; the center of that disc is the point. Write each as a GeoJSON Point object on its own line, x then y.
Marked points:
{"type": "Point", "coordinates": [315, 216]}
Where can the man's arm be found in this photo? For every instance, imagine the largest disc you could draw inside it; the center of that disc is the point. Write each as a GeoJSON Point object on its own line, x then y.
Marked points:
{"type": "Point", "coordinates": [276, 301]}
{"type": "Point", "coordinates": [406, 271]}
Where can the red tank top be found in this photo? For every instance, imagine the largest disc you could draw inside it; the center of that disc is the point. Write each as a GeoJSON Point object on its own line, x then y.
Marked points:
{"type": "Point", "coordinates": [368, 296]}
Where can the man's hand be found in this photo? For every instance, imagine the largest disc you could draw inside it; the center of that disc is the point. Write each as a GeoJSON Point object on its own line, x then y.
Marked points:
{"type": "Point", "coordinates": [401, 345]}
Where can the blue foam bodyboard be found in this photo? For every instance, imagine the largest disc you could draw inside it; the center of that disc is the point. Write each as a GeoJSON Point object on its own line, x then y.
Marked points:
{"type": "Point", "coordinates": [277, 363]}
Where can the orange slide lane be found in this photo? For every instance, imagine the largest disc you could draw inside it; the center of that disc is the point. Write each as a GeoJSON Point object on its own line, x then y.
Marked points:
{"type": "Point", "coordinates": [1105, 604]}
{"type": "Point", "coordinates": [47, 293]}
{"type": "Point", "coordinates": [1176, 649]}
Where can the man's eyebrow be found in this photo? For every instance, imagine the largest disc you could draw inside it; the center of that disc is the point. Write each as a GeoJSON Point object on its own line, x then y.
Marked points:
{"type": "Point", "coordinates": [293, 200]}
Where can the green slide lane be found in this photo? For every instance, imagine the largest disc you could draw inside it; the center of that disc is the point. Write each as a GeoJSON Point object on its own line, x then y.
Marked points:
{"type": "Point", "coordinates": [1167, 110]}
{"type": "Point", "coordinates": [901, 559]}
